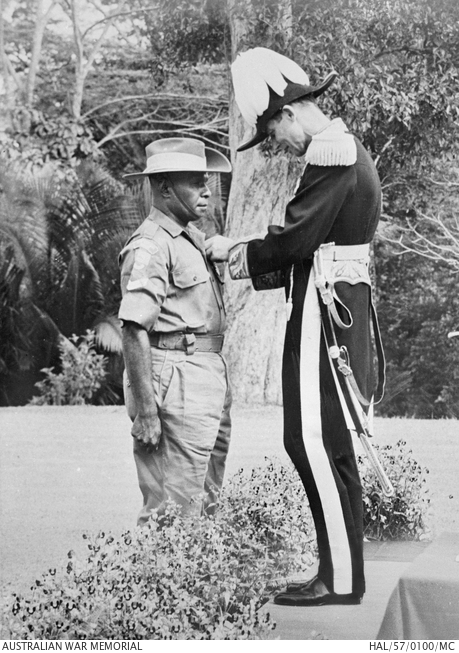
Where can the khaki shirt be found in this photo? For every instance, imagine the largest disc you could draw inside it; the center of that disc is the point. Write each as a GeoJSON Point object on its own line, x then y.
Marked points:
{"type": "Point", "coordinates": [167, 284]}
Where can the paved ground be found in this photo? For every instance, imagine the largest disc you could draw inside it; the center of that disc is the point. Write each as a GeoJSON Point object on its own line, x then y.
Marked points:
{"type": "Point", "coordinates": [67, 470]}
{"type": "Point", "coordinates": [384, 564]}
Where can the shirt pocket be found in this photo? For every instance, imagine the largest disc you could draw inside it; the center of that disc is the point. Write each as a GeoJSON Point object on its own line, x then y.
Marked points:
{"type": "Point", "coordinates": [189, 276]}
{"type": "Point", "coordinates": [192, 295]}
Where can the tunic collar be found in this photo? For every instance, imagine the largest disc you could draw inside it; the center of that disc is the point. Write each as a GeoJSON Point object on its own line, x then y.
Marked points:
{"type": "Point", "coordinates": [164, 221]}
{"type": "Point", "coordinates": [174, 229]}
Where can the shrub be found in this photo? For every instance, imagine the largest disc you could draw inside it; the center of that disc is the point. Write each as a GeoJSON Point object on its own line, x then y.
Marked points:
{"type": "Point", "coordinates": [205, 578]}
{"type": "Point", "coordinates": [403, 516]}
{"type": "Point", "coordinates": [271, 505]}
{"type": "Point", "coordinates": [82, 375]}
{"type": "Point", "coordinates": [189, 579]}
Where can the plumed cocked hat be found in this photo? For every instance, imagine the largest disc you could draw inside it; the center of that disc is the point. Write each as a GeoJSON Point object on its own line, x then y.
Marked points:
{"type": "Point", "coordinates": [181, 155]}
{"type": "Point", "coordinates": [264, 81]}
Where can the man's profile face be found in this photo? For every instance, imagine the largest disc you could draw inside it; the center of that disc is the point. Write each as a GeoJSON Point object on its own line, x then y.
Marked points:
{"type": "Point", "coordinates": [190, 194]}
{"type": "Point", "coordinates": [287, 134]}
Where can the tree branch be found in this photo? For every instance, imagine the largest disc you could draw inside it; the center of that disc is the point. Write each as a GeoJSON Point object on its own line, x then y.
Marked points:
{"type": "Point", "coordinates": [445, 184]}
{"type": "Point", "coordinates": [159, 96]}
{"type": "Point", "coordinates": [158, 131]}
{"type": "Point", "coordinates": [383, 149]}
{"type": "Point", "coordinates": [113, 16]}
{"type": "Point", "coordinates": [101, 38]}
{"type": "Point", "coordinates": [444, 248]}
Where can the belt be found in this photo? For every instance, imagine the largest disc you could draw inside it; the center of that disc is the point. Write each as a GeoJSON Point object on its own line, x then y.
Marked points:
{"type": "Point", "coordinates": [323, 277]}
{"type": "Point", "coordinates": [332, 252]}
{"type": "Point", "coordinates": [188, 342]}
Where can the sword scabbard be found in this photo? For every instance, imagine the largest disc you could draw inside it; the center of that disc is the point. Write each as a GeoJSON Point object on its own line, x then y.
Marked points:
{"type": "Point", "coordinates": [386, 485]}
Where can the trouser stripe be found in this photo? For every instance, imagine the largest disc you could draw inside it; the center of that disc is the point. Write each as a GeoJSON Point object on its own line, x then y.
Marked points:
{"type": "Point", "coordinates": [313, 442]}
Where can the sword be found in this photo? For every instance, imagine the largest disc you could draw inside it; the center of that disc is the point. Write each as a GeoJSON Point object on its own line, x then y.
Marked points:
{"type": "Point", "coordinates": [340, 360]}
{"type": "Point", "coordinates": [359, 417]}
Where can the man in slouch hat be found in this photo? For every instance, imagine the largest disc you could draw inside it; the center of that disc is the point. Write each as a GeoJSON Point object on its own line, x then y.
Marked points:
{"type": "Point", "coordinates": [176, 385]}
{"type": "Point", "coordinates": [321, 255]}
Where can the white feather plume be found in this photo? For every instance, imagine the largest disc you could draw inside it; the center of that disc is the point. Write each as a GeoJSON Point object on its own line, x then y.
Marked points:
{"type": "Point", "coordinates": [256, 70]}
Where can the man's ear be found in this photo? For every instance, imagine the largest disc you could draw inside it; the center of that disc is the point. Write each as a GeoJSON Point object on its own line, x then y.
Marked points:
{"type": "Point", "coordinates": [164, 186]}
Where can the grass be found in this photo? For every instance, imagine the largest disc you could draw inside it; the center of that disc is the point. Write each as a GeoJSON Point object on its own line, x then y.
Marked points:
{"type": "Point", "coordinates": [66, 470]}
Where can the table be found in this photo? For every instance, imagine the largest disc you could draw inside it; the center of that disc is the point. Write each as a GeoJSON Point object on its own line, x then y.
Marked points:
{"type": "Point", "coordinates": [425, 602]}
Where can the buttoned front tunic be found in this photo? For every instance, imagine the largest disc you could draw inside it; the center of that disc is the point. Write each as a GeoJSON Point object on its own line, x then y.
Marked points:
{"type": "Point", "coordinates": [167, 284]}
{"type": "Point", "coordinates": [338, 200]}
{"type": "Point", "coordinates": [169, 287]}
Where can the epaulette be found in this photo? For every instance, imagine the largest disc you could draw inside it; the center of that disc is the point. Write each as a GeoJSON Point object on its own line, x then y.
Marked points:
{"type": "Point", "coordinates": [332, 147]}
{"type": "Point", "coordinates": [147, 229]}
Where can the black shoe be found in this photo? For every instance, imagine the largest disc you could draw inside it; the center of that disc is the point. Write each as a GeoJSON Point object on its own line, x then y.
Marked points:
{"type": "Point", "coordinates": [313, 593]}
{"type": "Point", "coordinates": [301, 584]}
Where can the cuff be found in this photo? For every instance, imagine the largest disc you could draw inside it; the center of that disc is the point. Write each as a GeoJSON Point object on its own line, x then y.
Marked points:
{"type": "Point", "coordinates": [237, 262]}
{"type": "Point", "coordinates": [269, 281]}
{"type": "Point", "coordinates": [137, 308]}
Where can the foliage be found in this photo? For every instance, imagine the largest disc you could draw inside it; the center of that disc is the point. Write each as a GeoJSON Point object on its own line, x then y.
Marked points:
{"type": "Point", "coordinates": [14, 342]}
{"type": "Point", "coordinates": [418, 306]}
{"type": "Point", "coordinates": [160, 73]}
{"type": "Point", "coordinates": [404, 515]}
{"type": "Point", "coordinates": [178, 582]}
{"type": "Point", "coordinates": [398, 68]}
{"type": "Point", "coordinates": [82, 376]}
{"type": "Point", "coordinates": [397, 91]}
{"type": "Point", "coordinates": [183, 33]}
{"type": "Point", "coordinates": [431, 227]}
{"type": "Point", "coordinates": [397, 61]}
{"type": "Point", "coordinates": [165, 72]}
{"type": "Point", "coordinates": [204, 578]}
{"type": "Point", "coordinates": [189, 579]}
{"type": "Point", "coordinates": [270, 505]}
{"type": "Point", "coordinates": [37, 139]}
{"type": "Point", "coordinates": [65, 235]}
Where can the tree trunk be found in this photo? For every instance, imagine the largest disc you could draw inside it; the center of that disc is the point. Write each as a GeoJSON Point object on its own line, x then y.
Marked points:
{"type": "Point", "coordinates": [7, 73]}
{"type": "Point", "coordinates": [82, 66]}
{"type": "Point", "coordinates": [260, 190]}
{"type": "Point", "coordinates": [41, 19]}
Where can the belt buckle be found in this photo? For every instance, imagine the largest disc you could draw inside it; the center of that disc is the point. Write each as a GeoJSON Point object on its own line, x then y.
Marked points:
{"type": "Point", "coordinates": [189, 340]}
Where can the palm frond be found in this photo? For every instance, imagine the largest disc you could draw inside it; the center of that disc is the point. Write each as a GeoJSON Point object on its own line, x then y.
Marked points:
{"type": "Point", "coordinates": [108, 334]}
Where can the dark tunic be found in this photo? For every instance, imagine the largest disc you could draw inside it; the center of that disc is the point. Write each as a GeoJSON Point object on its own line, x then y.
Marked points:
{"type": "Point", "coordinates": [339, 204]}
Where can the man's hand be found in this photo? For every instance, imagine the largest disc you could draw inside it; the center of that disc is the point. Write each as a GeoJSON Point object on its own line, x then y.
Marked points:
{"type": "Point", "coordinates": [147, 430]}
{"type": "Point", "coordinates": [217, 248]}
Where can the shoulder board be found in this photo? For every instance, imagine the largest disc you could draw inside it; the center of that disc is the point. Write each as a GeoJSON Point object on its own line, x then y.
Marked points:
{"type": "Point", "coordinates": [142, 237]}
{"type": "Point", "coordinates": [332, 149]}
{"type": "Point", "coordinates": [147, 229]}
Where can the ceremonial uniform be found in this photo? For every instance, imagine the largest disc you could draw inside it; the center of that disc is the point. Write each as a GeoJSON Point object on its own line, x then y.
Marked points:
{"type": "Point", "coordinates": [321, 255]}
{"type": "Point", "coordinates": [337, 202]}
{"type": "Point", "coordinates": [174, 293]}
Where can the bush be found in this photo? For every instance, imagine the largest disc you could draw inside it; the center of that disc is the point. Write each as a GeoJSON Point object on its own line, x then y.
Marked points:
{"type": "Point", "coordinates": [189, 579]}
{"type": "Point", "coordinates": [82, 375]}
{"type": "Point", "coordinates": [404, 515]}
{"type": "Point", "coordinates": [270, 505]}
{"type": "Point", "coordinates": [204, 578]}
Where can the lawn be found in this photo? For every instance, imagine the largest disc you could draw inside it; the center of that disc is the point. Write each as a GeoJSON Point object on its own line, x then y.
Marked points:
{"type": "Point", "coordinates": [66, 470]}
